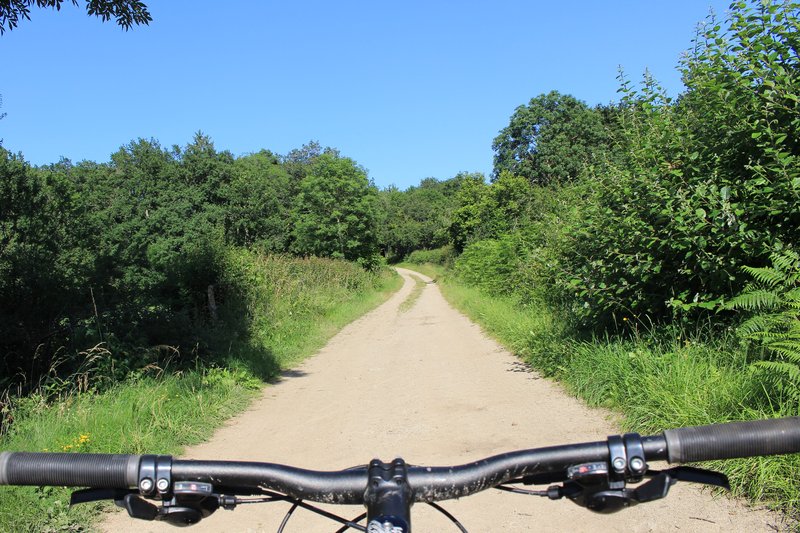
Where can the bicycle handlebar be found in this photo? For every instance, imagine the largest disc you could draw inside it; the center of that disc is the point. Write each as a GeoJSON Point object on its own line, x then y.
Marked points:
{"type": "Point", "coordinates": [735, 439]}
{"type": "Point", "coordinates": [69, 469]}
{"type": "Point", "coordinates": [428, 484]}
{"type": "Point", "coordinates": [690, 444]}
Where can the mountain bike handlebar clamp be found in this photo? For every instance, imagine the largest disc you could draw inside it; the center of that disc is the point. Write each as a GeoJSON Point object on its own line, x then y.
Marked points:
{"type": "Point", "coordinates": [388, 497]}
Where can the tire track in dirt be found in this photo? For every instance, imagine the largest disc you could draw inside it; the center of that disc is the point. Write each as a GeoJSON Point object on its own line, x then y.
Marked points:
{"type": "Point", "coordinates": [427, 385]}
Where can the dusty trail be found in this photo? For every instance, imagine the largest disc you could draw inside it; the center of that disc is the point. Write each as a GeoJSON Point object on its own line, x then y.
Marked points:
{"type": "Point", "coordinates": [427, 385]}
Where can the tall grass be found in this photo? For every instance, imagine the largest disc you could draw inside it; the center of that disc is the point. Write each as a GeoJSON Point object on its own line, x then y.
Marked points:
{"type": "Point", "coordinates": [431, 270]}
{"type": "Point", "coordinates": [294, 305]}
{"type": "Point", "coordinates": [287, 308]}
{"type": "Point", "coordinates": [142, 415]}
{"type": "Point", "coordinates": [660, 382]}
{"type": "Point", "coordinates": [655, 380]}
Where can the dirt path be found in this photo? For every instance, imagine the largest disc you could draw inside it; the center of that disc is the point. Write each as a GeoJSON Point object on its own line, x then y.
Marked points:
{"type": "Point", "coordinates": [425, 384]}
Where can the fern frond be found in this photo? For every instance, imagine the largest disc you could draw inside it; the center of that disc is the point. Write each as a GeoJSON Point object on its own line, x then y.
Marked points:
{"type": "Point", "coordinates": [755, 324]}
{"type": "Point", "coordinates": [755, 299]}
{"type": "Point", "coordinates": [786, 261]}
{"type": "Point", "coordinates": [775, 324]}
{"type": "Point", "coordinates": [784, 377]}
{"type": "Point", "coordinates": [792, 297]}
{"type": "Point", "coordinates": [787, 352]}
{"type": "Point", "coordinates": [787, 339]}
{"type": "Point", "coordinates": [783, 335]}
{"type": "Point", "coordinates": [770, 328]}
{"type": "Point", "coordinates": [786, 371]}
{"type": "Point", "coordinates": [770, 277]}
{"type": "Point", "coordinates": [767, 337]}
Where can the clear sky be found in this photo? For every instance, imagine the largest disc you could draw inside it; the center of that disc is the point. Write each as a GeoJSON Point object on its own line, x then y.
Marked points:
{"type": "Point", "coordinates": [408, 89]}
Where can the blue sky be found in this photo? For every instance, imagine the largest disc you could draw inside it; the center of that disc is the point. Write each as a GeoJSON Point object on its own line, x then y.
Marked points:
{"type": "Point", "coordinates": [408, 89]}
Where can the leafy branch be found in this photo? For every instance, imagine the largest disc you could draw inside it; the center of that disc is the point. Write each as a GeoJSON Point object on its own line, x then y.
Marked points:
{"type": "Point", "coordinates": [126, 13]}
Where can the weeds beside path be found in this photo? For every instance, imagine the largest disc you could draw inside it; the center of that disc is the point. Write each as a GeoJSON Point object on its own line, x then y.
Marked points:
{"type": "Point", "coordinates": [163, 413]}
{"type": "Point", "coordinates": [654, 382]}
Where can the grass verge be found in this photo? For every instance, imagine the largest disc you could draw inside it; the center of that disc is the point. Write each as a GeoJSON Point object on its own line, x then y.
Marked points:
{"type": "Point", "coordinates": [142, 415]}
{"type": "Point", "coordinates": [295, 306]}
{"type": "Point", "coordinates": [655, 381]}
{"type": "Point", "coordinates": [414, 295]}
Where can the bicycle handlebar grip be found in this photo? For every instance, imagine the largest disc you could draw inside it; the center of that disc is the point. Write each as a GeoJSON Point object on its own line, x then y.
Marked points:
{"type": "Point", "coordinates": [735, 439]}
{"type": "Point", "coordinates": [69, 469]}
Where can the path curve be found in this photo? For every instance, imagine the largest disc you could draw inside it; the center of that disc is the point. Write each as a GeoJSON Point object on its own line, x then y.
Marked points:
{"type": "Point", "coordinates": [427, 385]}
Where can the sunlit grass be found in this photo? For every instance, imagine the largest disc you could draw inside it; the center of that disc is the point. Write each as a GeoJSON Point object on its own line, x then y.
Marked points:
{"type": "Point", "coordinates": [655, 381]}
{"type": "Point", "coordinates": [147, 415]}
{"type": "Point", "coordinates": [414, 295]}
{"type": "Point", "coordinates": [428, 269]}
{"type": "Point", "coordinates": [300, 304]}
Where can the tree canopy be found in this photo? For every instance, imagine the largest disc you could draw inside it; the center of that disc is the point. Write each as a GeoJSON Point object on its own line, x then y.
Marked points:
{"type": "Point", "coordinates": [134, 247]}
{"type": "Point", "coordinates": [334, 213]}
{"type": "Point", "coordinates": [552, 139]}
{"type": "Point", "coordinates": [126, 13]}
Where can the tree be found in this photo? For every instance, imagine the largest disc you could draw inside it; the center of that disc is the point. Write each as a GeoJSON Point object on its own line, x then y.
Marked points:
{"type": "Point", "coordinates": [334, 215]}
{"type": "Point", "coordinates": [126, 13]}
{"type": "Point", "coordinates": [431, 207]}
{"type": "Point", "coordinates": [396, 232]}
{"type": "Point", "coordinates": [708, 183]}
{"type": "Point", "coordinates": [489, 211]}
{"type": "Point", "coordinates": [45, 261]}
{"type": "Point", "coordinates": [473, 200]}
{"type": "Point", "coordinates": [299, 160]}
{"type": "Point", "coordinates": [552, 139]}
{"type": "Point", "coordinates": [258, 202]}
{"type": "Point", "coordinates": [205, 169]}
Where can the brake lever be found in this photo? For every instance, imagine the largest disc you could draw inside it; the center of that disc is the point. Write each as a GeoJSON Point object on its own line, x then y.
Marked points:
{"type": "Point", "coordinates": [695, 475]}
{"type": "Point", "coordinates": [606, 496]}
{"type": "Point", "coordinates": [128, 499]}
{"type": "Point", "coordinates": [138, 507]}
{"type": "Point", "coordinates": [96, 495]}
{"type": "Point", "coordinates": [658, 487]}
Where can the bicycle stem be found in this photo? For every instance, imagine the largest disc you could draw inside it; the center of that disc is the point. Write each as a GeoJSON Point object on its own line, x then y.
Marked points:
{"type": "Point", "coordinates": [388, 497]}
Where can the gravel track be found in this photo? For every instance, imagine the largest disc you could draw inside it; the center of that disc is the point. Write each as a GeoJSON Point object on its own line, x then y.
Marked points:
{"type": "Point", "coordinates": [427, 385]}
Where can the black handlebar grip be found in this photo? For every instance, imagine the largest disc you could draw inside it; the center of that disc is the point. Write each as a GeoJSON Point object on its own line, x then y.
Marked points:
{"type": "Point", "coordinates": [736, 439]}
{"type": "Point", "coordinates": [69, 469]}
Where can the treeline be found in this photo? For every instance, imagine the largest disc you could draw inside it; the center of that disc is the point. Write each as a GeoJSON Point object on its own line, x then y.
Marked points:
{"type": "Point", "coordinates": [642, 212]}
{"type": "Point", "coordinates": [655, 212]}
{"type": "Point", "coordinates": [648, 209]}
{"type": "Point", "coordinates": [136, 257]}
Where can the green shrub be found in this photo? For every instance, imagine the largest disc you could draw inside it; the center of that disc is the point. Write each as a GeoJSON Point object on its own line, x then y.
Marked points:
{"type": "Point", "coordinates": [709, 182]}
{"type": "Point", "coordinates": [444, 256]}
{"type": "Point", "coordinates": [491, 265]}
